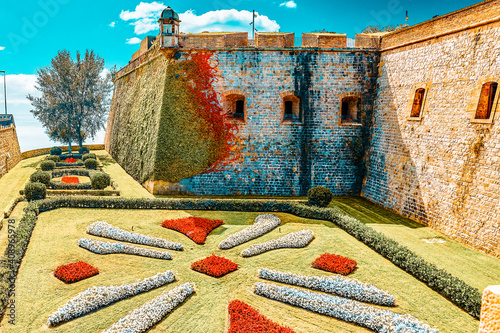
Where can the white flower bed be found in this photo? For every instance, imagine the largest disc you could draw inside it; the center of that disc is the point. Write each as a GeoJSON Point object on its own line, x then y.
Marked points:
{"type": "Point", "coordinates": [100, 247]}
{"type": "Point", "coordinates": [336, 284]}
{"type": "Point", "coordinates": [262, 225]}
{"type": "Point", "coordinates": [150, 313]}
{"type": "Point", "coordinates": [106, 230]}
{"type": "Point", "coordinates": [96, 298]}
{"type": "Point", "coordinates": [292, 240]}
{"type": "Point", "coordinates": [378, 320]}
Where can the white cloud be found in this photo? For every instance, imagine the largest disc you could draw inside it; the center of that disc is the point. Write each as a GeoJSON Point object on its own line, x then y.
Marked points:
{"type": "Point", "coordinates": [2, 48]}
{"type": "Point", "coordinates": [112, 24]}
{"type": "Point", "coordinates": [18, 86]}
{"type": "Point", "coordinates": [289, 4]}
{"type": "Point", "coordinates": [145, 19]}
{"type": "Point", "coordinates": [133, 40]}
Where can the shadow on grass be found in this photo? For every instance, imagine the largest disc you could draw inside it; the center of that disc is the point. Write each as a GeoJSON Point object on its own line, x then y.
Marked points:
{"type": "Point", "coordinates": [106, 160]}
{"type": "Point", "coordinates": [370, 213]}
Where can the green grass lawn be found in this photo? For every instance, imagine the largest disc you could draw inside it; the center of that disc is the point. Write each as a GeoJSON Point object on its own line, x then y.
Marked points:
{"type": "Point", "coordinates": [54, 243]}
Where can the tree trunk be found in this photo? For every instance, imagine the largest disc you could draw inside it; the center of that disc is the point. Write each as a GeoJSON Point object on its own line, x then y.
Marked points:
{"type": "Point", "coordinates": [70, 151]}
{"type": "Point", "coordinates": [80, 140]}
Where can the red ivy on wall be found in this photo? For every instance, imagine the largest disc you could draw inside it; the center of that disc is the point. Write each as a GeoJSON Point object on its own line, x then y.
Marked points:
{"type": "Point", "coordinates": [335, 264]}
{"type": "Point", "coordinates": [202, 73]}
{"type": "Point", "coordinates": [245, 319]}
{"type": "Point", "coordinates": [196, 228]}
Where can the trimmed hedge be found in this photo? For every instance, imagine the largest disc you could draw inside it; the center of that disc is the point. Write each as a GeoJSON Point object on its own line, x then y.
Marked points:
{"type": "Point", "coordinates": [55, 151]}
{"type": "Point", "coordinates": [76, 156]}
{"type": "Point", "coordinates": [91, 163]}
{"type": "Point", "coordinates": [100, 180]}
{"type": "Point", "coordinates": [65, 165]}
{"type": "Point", "coordinates": [82, 192]}
{"type": "Point", "coordinates": [12, 204]}
{"type": "Point", "coordinates": [47, 165]}
{"type": "Point", "coordinates": [70, 172]}
{"type": "Point", "coordinates": [41, 177]}
{"type": "Point", "coordinates": [54, 158]}
{"type": "Point", "coordinates": [64, 186]}
{"type": "Point", "coordinates": [319, 196]}
{"type": "Point", "coordinates": [89, 155]}
{"type": "Point", "coordinates": [83, 150]}
{"type": "Point", "coordinates": [454, 289]}
{"type": "Point", "coordinates": [35, 191]}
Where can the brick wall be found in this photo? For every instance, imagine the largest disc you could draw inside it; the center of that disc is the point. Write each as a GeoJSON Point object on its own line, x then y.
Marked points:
{"type": "Point", "coordinates": [8, 144]}
{"type": "Point", "coordinates": [367, 41]}
{"type": "Point", "coordinates": [214, 40]}
{"type": "Point", "coordinates": [442, 169]}
{"type": "Point", "coordinates": [324, 40]}
{"type": "Point", "coordinates": [275, 40]}
{"type": "Point", "coordinates": [281, 158]}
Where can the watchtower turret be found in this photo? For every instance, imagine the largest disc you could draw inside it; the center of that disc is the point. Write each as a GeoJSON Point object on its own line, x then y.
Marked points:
{"type": "Point", "coordinates": [169, 28]}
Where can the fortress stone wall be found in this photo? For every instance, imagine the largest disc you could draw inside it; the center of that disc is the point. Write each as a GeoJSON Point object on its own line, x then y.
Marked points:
{"type": "Point", "coordinates": [10, 153]}
{"type": "Point", "coordinates": [440, 166]}
{"type": "Point", "coordinates": [443, 168]}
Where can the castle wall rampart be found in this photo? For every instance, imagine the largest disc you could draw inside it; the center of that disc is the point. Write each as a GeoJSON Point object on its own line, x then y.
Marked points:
{"type": "Point", "coordinates": [10, 153]}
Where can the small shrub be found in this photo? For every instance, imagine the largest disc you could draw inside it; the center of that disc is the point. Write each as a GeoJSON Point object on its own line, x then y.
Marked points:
{"type": "Point", "coordinates": [91, 163]}
{"type": "Point", "coordinates": [83, 150]}
{"type": "Point", "coordinates": [54, 158]}
{"type": "Point", "coordinates": [319, 196]}
{"type": "Point", "coordinates": [47, 165]}
{"type": "Point", "coordinates": [100, 180]}
{"type": "Point", "coordinates": [35, 191]}
{"type": "Point", "coordinates": [41, 177]}
{"type": "Point", "coordinates": [56, 151]}
{"type": "Point", "coordinates": [89, 155]}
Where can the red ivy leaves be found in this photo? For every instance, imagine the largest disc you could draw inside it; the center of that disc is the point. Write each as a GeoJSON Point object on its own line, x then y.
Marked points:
{"type": "Point", "coordinates": [196, 228]}
{"type": "Point", "coordinates": [214, 266]}
{"type": "Point", "coordinates": [201, 70]}
{"type": "Point", "coordinates": [70, 180]}
{"type": "Point", "coordinates": [245, 319]}
{"type": "Point", "coordinates": [70, 160]}
{"type": "Point", "coordinates": [335, 264]}
{"type": "Point", "coordinates": [75, 272]}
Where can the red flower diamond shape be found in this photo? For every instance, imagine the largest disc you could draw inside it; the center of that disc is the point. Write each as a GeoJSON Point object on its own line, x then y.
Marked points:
{"type": "Point", "coordinates": [75, 272]}
{"type": "Point", "coordinates": [335, 264]}
{"type": "Point", "coordinates": [214, 266]}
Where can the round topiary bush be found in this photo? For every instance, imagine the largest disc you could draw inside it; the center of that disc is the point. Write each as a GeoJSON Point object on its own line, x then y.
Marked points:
{"type": "Point", "coordinates": [56, 151]}
{"type": "Point", "coordinates": [54, 158]}
{"type": "Point", "coordinates": [47, 165]}
{"type": "Point", "coordinates": [91, 163]}
{"type": "Point", "coordinates": [35, 191]}
{"type": "Point", "coordinates": [319, 196]}
{"type": "Point", "coordinates": [83, 150]}
{"type": "Point", "coordinates": [41, 177]}
{"type": "Point", "coordinates": [89, 155]}
{"type": "Point", "coordinates": [100, 180]}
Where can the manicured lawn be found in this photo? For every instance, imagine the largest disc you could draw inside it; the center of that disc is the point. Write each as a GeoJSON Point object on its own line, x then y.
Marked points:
{"type": "Point", "coordinates": [54, 243]}
{"type": "Point", "coordinates": [477, 269]}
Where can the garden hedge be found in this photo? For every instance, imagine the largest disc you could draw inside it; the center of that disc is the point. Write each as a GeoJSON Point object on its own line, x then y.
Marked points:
{"type": "Point", "coordinates": [89, 155]}
{"type": "Point", "coordinates": [54, 158]}
{"type": "Point", "coordinates": [319, 196]}
{"type": "Point", "coordinates": [91, 163]}
{"type": "Point", "coordinates": [47, 165]}
{"type": "Point", "coordinates": [454, 289]}
{"type": "Point", "coordinates": [56, 151]}
{"type": "Point", "coordinates": [41, 177]}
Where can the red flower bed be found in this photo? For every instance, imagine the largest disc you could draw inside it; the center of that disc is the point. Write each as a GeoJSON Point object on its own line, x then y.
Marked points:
{"type": "Point", "coordinates": [75, 272]}
{"type": "Point", "coordinates": [245, 319]}
{"type": "Point", "coordinates": [214, 266]}
{"type": "Point", "coordinates": [70, 160]}
{"type": "Point", "coordinates": [196, 228]}
{"type": "Point", "coordinates": [70, 180]}
{"type": "Point", "coordinates": [335, 264]}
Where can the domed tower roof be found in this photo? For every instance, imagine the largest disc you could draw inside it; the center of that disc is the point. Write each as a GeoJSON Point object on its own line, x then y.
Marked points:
{"type": "Point", "coordinates": [169, 13]}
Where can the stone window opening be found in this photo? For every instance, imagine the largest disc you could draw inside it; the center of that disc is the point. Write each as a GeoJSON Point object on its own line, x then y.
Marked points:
{"type": "Point", "coordinates": [418, 102]}
{"type": "Point", "coordinates": [349, 110]}
{"type": "Point", "coordinates": [291, 108]}
{"type": "Point", "coordinates": [235, 106]}
{"type": "Point", "coordinates": [486, 100]}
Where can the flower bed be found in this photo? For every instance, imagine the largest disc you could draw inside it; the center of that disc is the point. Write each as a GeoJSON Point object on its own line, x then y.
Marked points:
{"type": "Point", "coordinates": [100, 247]}
{"type": "Point", "coordinates": [245, 319]}
{"type": "Point", "coordinates": [338, 285]}
{"type": "Point", "coordinates": [70, 160]}
{"type": "Point", "coordinates": [75, 272]}
{"type": "Point", "coordinates": [96, 298]}
{"type": "Point", "coordinates": [150, 313]}
{"type": "Point", "coordinates": [106, 230]}
{"type": "Point", "coordinates": [262, 225]}
{"type": "Point", "coordinates": [292, 240]}
{"type": "Point", "coordinates": [196, 228]}
{"type": "Point", "coordinates": [368, 316]}
{"type": "Point", "coordinates": [214, 266]}
{"type": "Point", "coordinates": [70, 180]}
{"type": "Point", "coordinates": [335, 264]}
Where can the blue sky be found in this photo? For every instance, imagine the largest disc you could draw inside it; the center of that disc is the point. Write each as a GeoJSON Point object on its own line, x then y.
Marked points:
{"type": "Point", "coordinates": [33, 31]}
